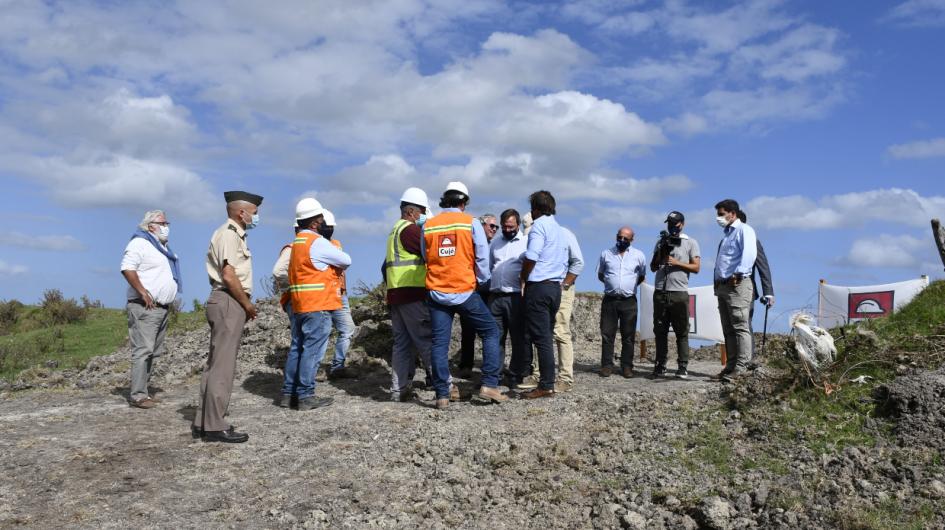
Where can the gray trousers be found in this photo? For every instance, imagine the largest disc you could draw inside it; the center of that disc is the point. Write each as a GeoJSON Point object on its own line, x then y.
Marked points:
{"type": "Point", "coordinates": [146, 329]}
{"type": "Point", "coordinates": [734, 306]}
{"type": "Point", "coordinates": [412, 335]}
{"type": "Point", "coordinates": [226, 318]}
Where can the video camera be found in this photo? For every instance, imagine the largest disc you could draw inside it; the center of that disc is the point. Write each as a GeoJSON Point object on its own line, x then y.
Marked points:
{"type": "Point", "coordinates": [669, 241]}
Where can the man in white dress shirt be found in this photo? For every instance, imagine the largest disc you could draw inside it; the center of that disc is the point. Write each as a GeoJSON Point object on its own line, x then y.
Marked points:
{"type": "Point", "coordinates": [153, 274]}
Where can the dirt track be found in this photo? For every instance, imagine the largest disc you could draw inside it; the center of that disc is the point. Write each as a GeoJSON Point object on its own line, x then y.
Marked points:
{"type": "Point", "coordinates": [87, 459]}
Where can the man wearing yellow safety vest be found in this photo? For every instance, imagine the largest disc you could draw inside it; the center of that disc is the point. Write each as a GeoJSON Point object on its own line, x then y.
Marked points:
{"type": "Point", "coordinates": [457, 259]}
{"type": "Point", "coordinates": [313, 294]}
{"type": "Point", "coordinates": [405, 276]}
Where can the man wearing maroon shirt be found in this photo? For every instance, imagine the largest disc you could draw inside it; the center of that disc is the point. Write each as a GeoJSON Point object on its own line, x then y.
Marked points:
{"type": "Point", "coordinates": [405, 276]}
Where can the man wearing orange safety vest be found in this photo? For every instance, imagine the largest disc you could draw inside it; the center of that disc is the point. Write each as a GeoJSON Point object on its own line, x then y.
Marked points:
{"type": "Point", "coordinates": [313, 294]}
{"type": "Point", "coordinates": [457, 260]}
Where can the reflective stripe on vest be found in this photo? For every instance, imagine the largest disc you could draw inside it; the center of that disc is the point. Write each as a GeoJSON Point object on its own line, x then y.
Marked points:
{"type": "Point", "coordinates": [309, 288]}
{"type": "Point", "coordinates": [402, 268]}
{"type": "Point", "coordinates": [450, 253]}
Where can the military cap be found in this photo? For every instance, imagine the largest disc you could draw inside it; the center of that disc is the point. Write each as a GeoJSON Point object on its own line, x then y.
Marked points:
{"type": "Point", "coordinates": [231, 196]}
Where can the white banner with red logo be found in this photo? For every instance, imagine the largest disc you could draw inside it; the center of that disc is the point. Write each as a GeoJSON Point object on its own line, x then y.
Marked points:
{"type": "Point", "coordinates": [704, 320]}
{"type": "Point", "coordinates": [838, 305]}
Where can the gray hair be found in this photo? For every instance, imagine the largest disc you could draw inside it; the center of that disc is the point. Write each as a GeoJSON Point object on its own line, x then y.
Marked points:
{"type": "Point", "coordinates": [483, 217]}
{"type": "Point", "coordinates": [149, 217]}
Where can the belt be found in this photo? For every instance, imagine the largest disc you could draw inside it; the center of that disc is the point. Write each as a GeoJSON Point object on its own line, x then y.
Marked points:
{"type": "Point", "coordinates": [620, 297]}
{"type": "Point", "coordinates": [727, 281]}
{"type": "Point", "coordinates": [543, 281]}
{"type": "Point", "coordinates": [141, 302]}
{"type": "Point", "coordinates": [501, 293]}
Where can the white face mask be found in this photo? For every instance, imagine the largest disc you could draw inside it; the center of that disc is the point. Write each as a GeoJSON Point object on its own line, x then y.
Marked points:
{"type": "Point", "coordinates": [723, 222]}
{"type": "Point", "coordinates": [163, 233]}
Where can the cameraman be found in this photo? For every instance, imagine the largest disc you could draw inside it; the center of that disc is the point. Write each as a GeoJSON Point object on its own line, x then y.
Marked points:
{"type": "Point", "coordinates": [675, 257]}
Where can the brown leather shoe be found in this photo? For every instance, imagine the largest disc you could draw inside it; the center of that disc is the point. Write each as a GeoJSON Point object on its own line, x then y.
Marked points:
{"type": "Point", "coordinates": [454, 393]}
{"type": "Point", "coordinates": [538, 393]}
{"type": "Point", "coordinates": [442, 404]}
{"type": "Point", "coordinates": [605, 371]}
{"type": "Point", "coordinates": [143, 403]}
{"type": "Point", "coordinates": [627, 372]}
{"type": "Point", "coordinates": [492, 394]}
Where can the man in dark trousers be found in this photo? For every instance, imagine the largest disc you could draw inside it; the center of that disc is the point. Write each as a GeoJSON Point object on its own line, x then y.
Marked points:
{"type": "Point", "coordinates": [764, 273]}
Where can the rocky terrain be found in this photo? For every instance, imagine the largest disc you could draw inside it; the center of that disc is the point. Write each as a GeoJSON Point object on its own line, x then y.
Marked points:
{"type": "Point", "coordinates": [614, 453]}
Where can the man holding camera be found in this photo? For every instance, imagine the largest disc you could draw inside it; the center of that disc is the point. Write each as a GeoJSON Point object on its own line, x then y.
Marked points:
{"type": "Point", "coordinates": [675, 257]}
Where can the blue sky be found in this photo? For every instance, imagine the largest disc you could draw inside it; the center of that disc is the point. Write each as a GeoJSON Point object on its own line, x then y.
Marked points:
{"type": "Point", "coordinates": [824, 119]}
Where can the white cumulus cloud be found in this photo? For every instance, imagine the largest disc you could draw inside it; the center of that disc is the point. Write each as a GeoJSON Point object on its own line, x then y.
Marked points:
{"type": "Point", "coordinates": [53, 243]}
{"type": "Point", "coordinates": [892, 206]}
{"type": "Point", "coordinates": [887, 251]}
{"type": "Point", "coordinates": [921, 149]}
{"type": "Point", "coordinates": [917, 13]}
{"type": "Point", "coordinates": [8, 269]}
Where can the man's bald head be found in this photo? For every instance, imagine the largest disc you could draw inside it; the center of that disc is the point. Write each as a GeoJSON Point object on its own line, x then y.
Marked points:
{"type": "Point", "coordinates": [626, 232]}
{"type": "Point", "coordinates": [238, 211]}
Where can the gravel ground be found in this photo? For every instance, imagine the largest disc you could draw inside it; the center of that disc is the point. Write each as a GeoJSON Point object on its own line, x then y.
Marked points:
{"type": "Point", "coordinates": [615, 452]}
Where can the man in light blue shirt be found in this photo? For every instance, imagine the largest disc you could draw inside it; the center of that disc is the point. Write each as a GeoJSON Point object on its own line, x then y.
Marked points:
{"type": "Point", "coordinates": [621, 269]}
{"type": "Point", "coordinates": [453, 246]}
{"type": "Point", "coordinates": [732, 280]}
{"type": "Point", "coordinates": [505, 290]}
{"type": "Point", "coordinates": [543, 269]}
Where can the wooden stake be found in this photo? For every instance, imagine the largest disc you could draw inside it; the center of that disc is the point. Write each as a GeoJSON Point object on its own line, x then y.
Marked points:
{"type": "Point", "coordinates": [938, 232]}
{"type": "Point", "coordinates": [724, 353]}
{"type": "Point", "coordinates": [642, 350]}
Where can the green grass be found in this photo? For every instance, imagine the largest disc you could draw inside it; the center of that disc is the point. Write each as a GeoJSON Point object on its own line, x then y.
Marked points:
{"type": "Point", "coordinates": [70, 345]}
{"type": "Point", "coordinates": [30, 342]}
{"type": "Point", "coordinates": [826, 423]}
{"type": "Point", "coordinates": [889, 513]}
{"type": "Point", "coordinates": [708, 445]}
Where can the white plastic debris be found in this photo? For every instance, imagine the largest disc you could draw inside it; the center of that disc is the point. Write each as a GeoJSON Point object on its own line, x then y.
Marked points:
{"type": "Point", "coordinates": [861, 380]}
{"type": "Point", "coordinates": [813, 344]}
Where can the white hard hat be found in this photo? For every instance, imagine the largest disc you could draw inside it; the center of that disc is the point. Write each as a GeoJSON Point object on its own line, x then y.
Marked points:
{"type": "Point", "coordinates": [307, 208]}
{"type": "Point", "coordinates": [415, 196]}
{"type": "Point", "coordinates": [457, 186]}
{"type": "Point", "coordinates": [329, 218]}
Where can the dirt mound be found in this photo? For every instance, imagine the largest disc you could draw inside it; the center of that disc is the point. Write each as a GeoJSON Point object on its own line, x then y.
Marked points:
{"type": "Point", "coordinates": [915, 401]}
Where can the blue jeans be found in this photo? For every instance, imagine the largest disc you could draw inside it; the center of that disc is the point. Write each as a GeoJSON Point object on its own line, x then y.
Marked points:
{"type": "Point", "coordinates": [309, 341]}
{"type": "Point", "coordinates": [342, 321]}
{"type": "Point", "coordinates": [441, 322]}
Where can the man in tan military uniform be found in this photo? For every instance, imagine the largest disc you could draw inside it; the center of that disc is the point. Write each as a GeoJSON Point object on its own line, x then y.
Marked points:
{"type": "Point", "coordinates": [230, 268]}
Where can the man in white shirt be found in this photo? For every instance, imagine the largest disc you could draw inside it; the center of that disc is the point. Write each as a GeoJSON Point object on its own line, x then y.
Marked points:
{"type": "Point", "coordinates": [505, 290]}
{"type": "Point", "coordinates": [153, 274]}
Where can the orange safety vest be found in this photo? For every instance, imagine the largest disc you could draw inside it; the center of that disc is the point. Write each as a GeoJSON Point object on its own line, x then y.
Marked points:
{"type": "Point", "coordinates": [309, 288]}
{"type": "Point", "coordinates": [450, 254]}
{"type": "Point", "coordinates": [338, 273]}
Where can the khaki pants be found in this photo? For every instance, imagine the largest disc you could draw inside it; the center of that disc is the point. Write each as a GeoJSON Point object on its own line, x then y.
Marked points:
{"type": "Point", "coordinates": [226, 318]}
{"type": "Point", "coordinates": [562, 333]}
{"type": "Point", "coordinates": [734, 307]}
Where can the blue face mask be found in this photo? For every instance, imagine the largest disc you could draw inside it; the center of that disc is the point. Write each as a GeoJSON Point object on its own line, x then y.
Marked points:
{"type": "Point", "coordinates": [622, 245]}
{"type": "Point", "coordinates": [254, 222]}
{"type": "Point", "coordinates": [422, 219]}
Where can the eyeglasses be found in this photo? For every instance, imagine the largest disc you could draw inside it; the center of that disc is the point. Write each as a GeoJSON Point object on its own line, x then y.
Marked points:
{"type": "Point", "coordinates": [493, 226]}
{"type": "Point", "coordinates": [165, 223]}
{"type": "Point", "coordinates": [621, 238]}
